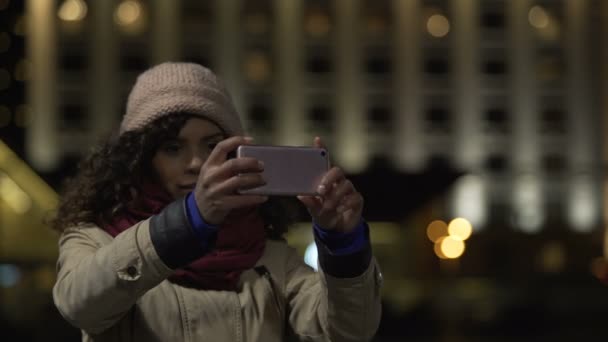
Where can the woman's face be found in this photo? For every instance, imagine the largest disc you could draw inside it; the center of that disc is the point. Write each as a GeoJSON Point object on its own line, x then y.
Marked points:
{"type": "Point", "coordinates": [178, 161]}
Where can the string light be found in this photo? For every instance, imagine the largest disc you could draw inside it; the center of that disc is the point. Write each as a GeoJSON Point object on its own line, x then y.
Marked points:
{"type": "Point", "coordinates": [72, 10]}
{"type": "Point", "coordinates": [438, 25]}
{"type": "Point", "coordinates": [129, 15]}
{"type": "Point", "coordinates": [460, 229]}
{"type": "Point", "coordinates": [436, 230]}
{"type": "Point", "coordinates": [538, 17]}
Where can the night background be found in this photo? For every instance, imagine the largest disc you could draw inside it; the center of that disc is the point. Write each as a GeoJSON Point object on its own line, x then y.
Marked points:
{"type": "Point", "coordinates": [473, 128]}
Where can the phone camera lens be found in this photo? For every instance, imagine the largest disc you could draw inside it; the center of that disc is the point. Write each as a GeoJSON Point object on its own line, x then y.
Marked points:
{"type": "Point", "coordinates": [323, 153]}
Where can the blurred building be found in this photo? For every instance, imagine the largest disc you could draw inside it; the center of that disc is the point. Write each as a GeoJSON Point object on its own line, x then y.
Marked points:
{"type": "Point", "coordinates": [503, 90]}
{"type": "Point", "coordinates": [508, 94]}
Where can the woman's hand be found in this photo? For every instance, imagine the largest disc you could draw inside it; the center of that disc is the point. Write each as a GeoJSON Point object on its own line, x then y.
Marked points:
{"type": "Point", "coordinates": [339, 205]}
{"type": "Point", "coordinates": [219, 179]}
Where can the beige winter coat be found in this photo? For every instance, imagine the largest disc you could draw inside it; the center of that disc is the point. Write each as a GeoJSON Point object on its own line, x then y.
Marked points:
{"type": "Point", "coordinates": [116, 290]}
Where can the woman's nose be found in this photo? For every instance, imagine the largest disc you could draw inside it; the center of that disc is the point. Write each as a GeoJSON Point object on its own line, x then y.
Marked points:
{"type": "Point", "coordinates": [195, 163]}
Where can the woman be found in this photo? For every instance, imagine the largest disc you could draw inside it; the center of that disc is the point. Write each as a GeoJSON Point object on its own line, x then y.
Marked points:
{"type": "Point", "coordinates": [157, 246]}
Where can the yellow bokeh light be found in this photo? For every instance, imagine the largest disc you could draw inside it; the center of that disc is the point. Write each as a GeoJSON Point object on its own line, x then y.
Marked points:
{"type": "Point", "coordinates": [460, 229]}
{"type": "Point", "coordinates": [552, 257]}
{"type": "Point", "coordinates": [317, 23]}
{"type": "Point", "coordinates": [437, 248]}
{"type": "Point", "coordinates": [436, 229]}
{"type": "Point", "coordinates": [438, 25]}
{"type": "Point", "coordinates": [257, 67]}
{"type": "Point", "coordinates": [450, 248]}
{"type": "Point", "coordinates": [72, 10]}
{"type": "Point", "coordinates": [599, 268]}
{"type": "Point", "coordinates": [538, 17]}
{"type": "Point", "coordinates": [128, 12]}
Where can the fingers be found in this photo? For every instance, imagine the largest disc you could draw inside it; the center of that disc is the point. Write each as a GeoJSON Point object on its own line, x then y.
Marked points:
{"type": "Point", "coordinates": [312, 203]}
{"type": "Point", "coordinates": [354, 201]}
{"type": "Point", "coordinates": [317, 142]}
{"type": "Point", "coordinates": [220, 179]}
{"type": "Point", "coordinates": [334, 175]}
{"type": "Point", "coordinates": [239, 182]}
{"type": "Point", "coordinates": [231, 168]}
{"type": "Point", "coordinates": [337, 194]}
{"type": "Point", "coordinates": [221, 150]}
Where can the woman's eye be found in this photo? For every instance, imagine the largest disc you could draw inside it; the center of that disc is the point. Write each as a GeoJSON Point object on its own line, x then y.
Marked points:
{"type": "Point", "coordinates": [171, 148]}
{"type": "Point", "coordinates": [211, 146]}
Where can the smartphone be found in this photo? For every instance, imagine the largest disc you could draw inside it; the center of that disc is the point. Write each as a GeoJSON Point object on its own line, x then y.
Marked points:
{"type": "Point", "coordinates": [288, 170]}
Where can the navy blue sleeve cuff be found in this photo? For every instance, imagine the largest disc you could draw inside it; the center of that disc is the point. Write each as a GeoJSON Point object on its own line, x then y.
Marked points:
{"type": "Point", "coordinates": [351, 253]}
{"type": "Point", "coordinates": [204, 231]}
{"type": "Point", "coordinates": [173, 237]}
{"type": "Point", "coordinates": [339, 243]}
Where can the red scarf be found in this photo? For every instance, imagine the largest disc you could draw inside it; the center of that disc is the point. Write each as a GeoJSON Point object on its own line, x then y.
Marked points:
{"type": "Point", "coordinates": [240, 243]}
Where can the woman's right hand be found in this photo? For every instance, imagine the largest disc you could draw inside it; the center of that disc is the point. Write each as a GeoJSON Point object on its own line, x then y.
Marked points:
{"type": "Point", "coordinates": [220, 178]}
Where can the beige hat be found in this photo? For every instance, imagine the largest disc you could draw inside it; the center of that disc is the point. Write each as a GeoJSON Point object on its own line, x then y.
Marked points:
{"type": "Point", "coordinates": [180, 87]}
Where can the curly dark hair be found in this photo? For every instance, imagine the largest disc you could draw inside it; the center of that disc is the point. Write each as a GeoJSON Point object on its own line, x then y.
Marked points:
{"type": "Point", "coordinates": [111, 177]}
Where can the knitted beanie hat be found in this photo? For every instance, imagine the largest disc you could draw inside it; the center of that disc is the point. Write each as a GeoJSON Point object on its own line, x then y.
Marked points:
{"type": "Point", "coordinates": [180, 88]}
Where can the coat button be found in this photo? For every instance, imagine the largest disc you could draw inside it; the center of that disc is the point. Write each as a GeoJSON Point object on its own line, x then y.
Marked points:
{"type": "Point", "coordinates": [132, 271]}
{"type": "Point", "coordinates": [379, 278]}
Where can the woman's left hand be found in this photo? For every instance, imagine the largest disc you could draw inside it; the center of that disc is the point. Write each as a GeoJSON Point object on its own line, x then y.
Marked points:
{"type": "Point", "coordinates": [339, 205]}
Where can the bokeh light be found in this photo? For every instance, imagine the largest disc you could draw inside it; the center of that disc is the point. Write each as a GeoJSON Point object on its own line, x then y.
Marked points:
{"type": "Point", "coordinates": [317, 23]}
{"type": "Point", "coordinates": [538, 17]}
{"type": "Point", "coordinates": [72, 10]}
{"type": "Point", "coordinates": [460, 229]}
{"type": "Point", "coordinates": [257, 66]}
{"type": "Point", "coordinates": [451, 248]}
{"type": "Point", "coordinates": [128, 12]}
{"type": "Point", "coordinates": [528, 213]}
{"type": "Point", "coordinates": [552, 257]}
{"type": "Point", "coordinates": [438, 25]}
{"type": "Point", "coordinates": [436, 230]}
{"type": "Point", "coordinates": [437, 248]}
{"type": "Point", "coordinates": [599, 268]}
{"type": "Point", "coordinates": [583, 211]}
{"type": "Point", "coordinates": [130, 16]}
{"type": "Point", "coordinates": [469, 199]}
{"type": "Point", "coordinates": [9, 275]}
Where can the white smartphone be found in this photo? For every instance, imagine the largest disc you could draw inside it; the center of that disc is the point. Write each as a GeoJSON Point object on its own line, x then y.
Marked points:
{"type": "Point", "coordinates": [288, 170]}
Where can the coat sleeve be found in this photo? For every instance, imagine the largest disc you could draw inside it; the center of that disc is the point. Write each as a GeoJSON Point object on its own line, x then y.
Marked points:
{"type": "Point", "coordinates": [99, 281]}
{"type": "Point", "coordinates": [96, 285]}
{"type": "Point", "coordinates": [322, 307]}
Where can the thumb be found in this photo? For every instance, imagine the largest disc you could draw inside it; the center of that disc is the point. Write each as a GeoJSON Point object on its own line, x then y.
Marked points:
{"type": "Point", "coordinates": [312, 203]}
